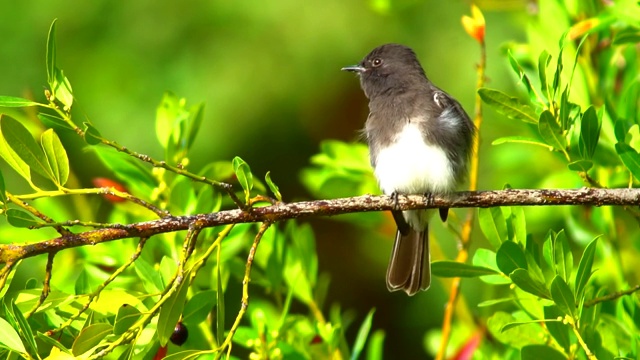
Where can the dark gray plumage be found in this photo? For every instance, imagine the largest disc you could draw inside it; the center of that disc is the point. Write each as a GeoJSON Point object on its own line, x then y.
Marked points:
{"type": "Point", "coordinates": [420, 141]}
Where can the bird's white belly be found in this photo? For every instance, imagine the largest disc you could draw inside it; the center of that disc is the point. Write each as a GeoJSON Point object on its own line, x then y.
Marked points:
{"type": "Point", "coordinates": [411, 166]}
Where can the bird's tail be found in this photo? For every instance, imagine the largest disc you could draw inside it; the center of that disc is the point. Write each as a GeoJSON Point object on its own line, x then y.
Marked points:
{"type": "Point", "coordinates": [410, 265]}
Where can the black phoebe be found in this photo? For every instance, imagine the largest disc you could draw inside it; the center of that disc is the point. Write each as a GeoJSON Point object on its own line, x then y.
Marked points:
{"type": "Point", "coordinates": [420, 141]}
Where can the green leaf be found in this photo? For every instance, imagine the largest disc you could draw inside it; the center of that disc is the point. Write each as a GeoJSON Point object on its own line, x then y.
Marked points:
{"type": "Point", "coordinates": [172, 309]}
{"type": "Point", "coordinates": [11, 101]}
{"type": "Point", "coordinates": [10, 156]}
{"type": "Point", "coordinates": [486, 258]}
{"type": "Point", "coordinates": [543, 63]}
{"type": "Point", "coordinates": [21, 141]}
{"type": "Point", "coordinates": [537, 352]}
{"type": "Point", "coordinates": [557, 75]}
{"type": "Point", "coordinates": [584, 268]}
{"type": "Point", "coordinates": [9, 338]}
{"type": "Point", "coordinates": [519, 224]}
{"type": "Point", "coordinates": [62, 89]}
{"type": "Point", "coordinates": [198, 307]}
{"type": "Point", "coordinates": [508, 106]}
{"type": "Point", "coordinates": [522, 75]}
{"type": "Point", "coordinates": [24, 328]}
{"type": "Point", "coordinates": [520, 140]}
{"type": "Point", "coordinates": [580, 165]}
{"type": "Point", "coordinates": [375, 349]}
{"type": "Point", "coordinates": [151, 278]}
{"type": "Point", "coordinates": [557, 329]}
{"type": "Point", "coordinates": [171, 116]}
{"type": "Point", "coordinates": [562, 296]}
{"type": "Point", "coordinates": [3, 193]}
{"type": "Point", "coordinates": [55, 122]}
{"type": "Point", "coordinates": [510, 257]}
{"type": "Point", "coordinates": [630, 35]}
{"type": "Point", "coordinates": [565, 109]}
{"type": "Point", "coordinates": [56, 156]}
{"type": "Point", "coordinates": [244, 175]}
{"type": "Point", "coordinates": [563, 256]}
{"type": "Point", "coordinates": [515, 336]}
{"type": "Point", "coordinates": [493, 225]}
{"type": "Point", "coordinates": [272, 186]}
{"type": "Point", "coordinates": [551, 132]}
{"type": "Point", "coordinates": [20, 218]}
{"type": "Point", "coordinates": [589, 133]}
{"type": "Point", "coordinates": [363, 333]}
{"type": "Point", "coordinates": [196, 114]}
{"type": "Point", "coordinates": [51, 53]}
{"type": "Point", "coordinates": [90, 337]}
{"type": "Point", "coordinates": [450, 269]}
{"type": "Point", "coordinates": [522, 278]}
{"type": "Point", "coordinates": [630, 158]}
{"type": "Point", "coordinates": [621, 128]}
{"type": "Point", "coordinates": [127, 316]}
{"type": "Point", "coordinates": [91, 135]}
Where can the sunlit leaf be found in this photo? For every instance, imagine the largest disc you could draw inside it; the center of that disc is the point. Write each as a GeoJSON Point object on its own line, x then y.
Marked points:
{"type": "Point", "coordinates": [171, 310]}
{"type": "Point", "coordinates": [62, 89]}
{"type": "Point", "coordinates": [523, 279]}
{"type": "Point", "coordinates": [55, 122]}
{"type": "Point", "coordinates": [589, 133]}
{"type": "Point", "coordinates": [272, 186]}
{"type": "Point", "coordinates": [244, 175]}
{"type": "Point", "coordinates": [551, 132]}
{"type": "Point", "coordinates": [537, 352]}
{"type": "Point", "coordinates": [51, 53]}
{"type": "Point", "coordinates": [558, 330]}
{"type": "Point", "coordinates": [11, 101]}
{"type": "Point", "coordinates": [56, 156]}
{"type": "Point", "coordinates": [199, 306]}
{"type": "Point", "coordinates": [20, 218]}
{"type": "Point", "coordinates": [563, 256]}
{"type": "Point", "coordinates": [508, 106]}
{"type": "Point", "coordinates": [493, 225]}
{"type": "Point", "coordinates": [125, 319]}
{"type": "Point", "coordinates": [630, 158]}
{"type": "Point", "coordinates": [580, 165]}
{"type": "Point", "coordinates": [89, 337]}
{"type": "Point", "coordinates": [9, 338]}
{"type": "Point", "coordinates": [91, 134]}
{"type": "Point", "coordinates": [562, 296]}
{"type": "Point", "coordinates": [543, 63]}
{"type": "Point", "coordinates": [21, 141]}
{"type": "Point", "coordinates": [520, 140]}
{"type": "Point", "coordinates": [584, 268]}
{"type": "Point", "coordinates": [363, 333]}
{"type": "Point", "coordinates": [458, 269]}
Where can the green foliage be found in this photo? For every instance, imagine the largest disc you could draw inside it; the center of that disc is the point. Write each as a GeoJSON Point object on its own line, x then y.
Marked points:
{"type": "Point", "coordinates": [123, 299]}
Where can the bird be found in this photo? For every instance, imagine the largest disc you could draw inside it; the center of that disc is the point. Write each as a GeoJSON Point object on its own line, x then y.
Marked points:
{"type": "Point", "coordinates": [420, 141]}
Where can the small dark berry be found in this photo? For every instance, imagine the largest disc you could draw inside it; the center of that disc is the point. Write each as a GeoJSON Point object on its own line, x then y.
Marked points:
{"type": "Point", "coordinates": [180, 334]}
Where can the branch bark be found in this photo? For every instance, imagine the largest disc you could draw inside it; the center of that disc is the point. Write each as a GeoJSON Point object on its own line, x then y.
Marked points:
{"type": "Point", "coordinates": [284, 211]}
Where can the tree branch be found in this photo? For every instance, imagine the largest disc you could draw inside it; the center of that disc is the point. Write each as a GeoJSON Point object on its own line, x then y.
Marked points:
{"type": "Point", "coordinates": [283, 211]}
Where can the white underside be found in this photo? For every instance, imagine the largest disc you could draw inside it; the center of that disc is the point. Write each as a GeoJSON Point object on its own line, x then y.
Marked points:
{"type": "Point", "coordinates": [411, 166]}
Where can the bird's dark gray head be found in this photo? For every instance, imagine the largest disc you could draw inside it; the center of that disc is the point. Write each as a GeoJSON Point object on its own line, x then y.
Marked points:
{"type": "Point", "coordinates": [390, 67]}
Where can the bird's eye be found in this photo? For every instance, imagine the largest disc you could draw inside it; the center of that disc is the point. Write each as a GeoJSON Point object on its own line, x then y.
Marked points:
{"type": "Point", "coordinates": [376, 62]}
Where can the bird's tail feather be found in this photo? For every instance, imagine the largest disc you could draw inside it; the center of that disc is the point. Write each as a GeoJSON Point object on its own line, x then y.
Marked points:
{"type": "Point", "coordinates": [410, 265]}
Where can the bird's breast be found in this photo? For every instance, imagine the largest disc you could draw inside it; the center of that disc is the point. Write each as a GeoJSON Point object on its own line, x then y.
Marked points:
{"type": "Point", "coordinates": [410, 165]}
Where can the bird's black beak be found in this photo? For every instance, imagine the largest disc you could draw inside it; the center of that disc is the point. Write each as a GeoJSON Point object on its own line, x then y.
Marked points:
{"type": "Point", "coordinates": [354, 68]}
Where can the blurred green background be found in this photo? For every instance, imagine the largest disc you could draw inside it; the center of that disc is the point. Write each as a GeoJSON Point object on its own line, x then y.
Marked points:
{"type": "Point", "coordinates": [269, 75]}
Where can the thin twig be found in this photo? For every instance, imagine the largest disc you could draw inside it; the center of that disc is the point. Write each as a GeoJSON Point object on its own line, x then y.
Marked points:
{"type": "Point", "coordinates": [244, 302]}
{"type": "Point", "coordinates": [612, 296]}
